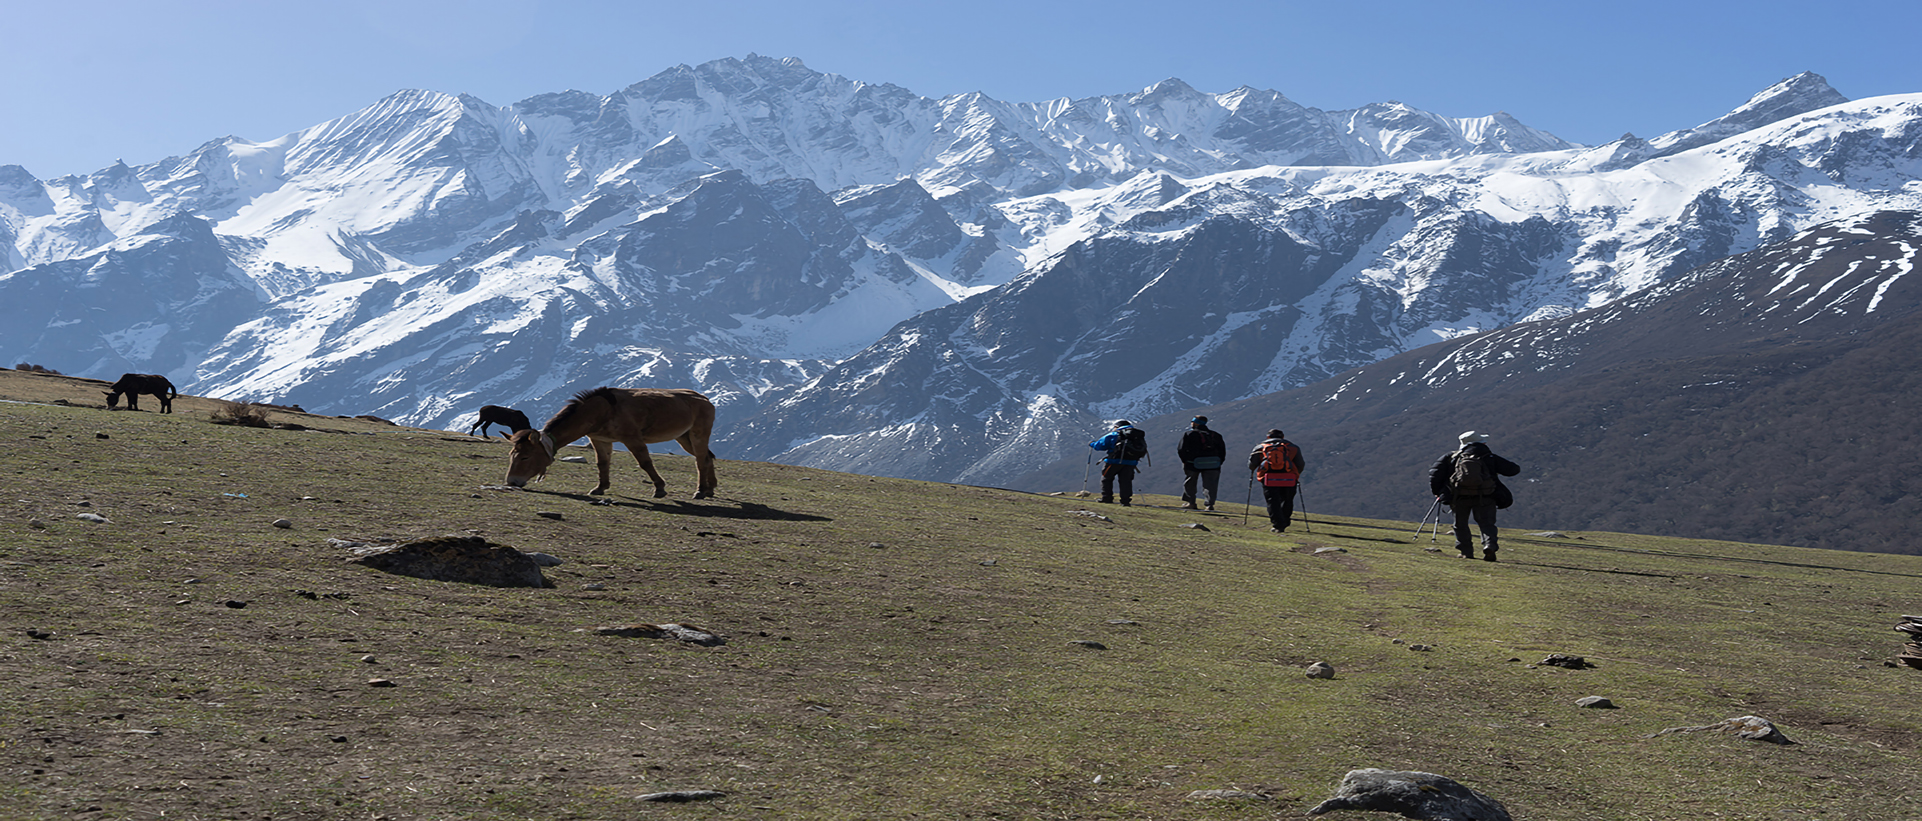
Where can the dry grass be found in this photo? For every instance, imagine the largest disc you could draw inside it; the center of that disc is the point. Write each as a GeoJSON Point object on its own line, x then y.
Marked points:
{"type": "Point", "coordinates": [896, 649]}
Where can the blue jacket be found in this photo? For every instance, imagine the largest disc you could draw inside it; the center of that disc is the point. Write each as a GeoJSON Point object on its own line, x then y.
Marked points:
{"type": "Point", "coordinates": [1109, 443]}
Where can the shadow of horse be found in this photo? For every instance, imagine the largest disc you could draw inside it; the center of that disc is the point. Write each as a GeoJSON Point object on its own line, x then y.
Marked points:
{"type": "Point", "coordinates": [712, 509]}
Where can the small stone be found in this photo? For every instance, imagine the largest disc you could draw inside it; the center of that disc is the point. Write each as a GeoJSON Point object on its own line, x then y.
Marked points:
{"type": "Point", "coordinates": [549, 514]}
{"type": "Point", "coordinates": [1566, 661]}
{"type": "Point", "coordinates": [1321, 669]}
{"type": "Point", "coordinates": [1595, 703]}
{"type": "Point", "coordinates": [235, 603]}
{"type": "Point", "coordinates": [1092, 645]}
{"type": "Point", "coordinates": [95, 518]}
{"type": "Point", "coordinates": [594, 586]}
{"type": "Point", "coordinates": [367, 660]}
{"type": "Point", "coordinates": [101, 436]}
{"type": "Point", "coordinates": [381, 682]}
{"type": "Point", "coordinates": [1321, 550]}
{"type": "Point", "coordinates": [1753, 728]}
{"type": "Point", "coordinates": [1421, 648]}
{"type": "Point", "coordinates": [283, 524]}
{"type": "Point", "coordinates": [876, 545]}
{"type": "Point", "coordinates": [38, 634]}
{"type": "Point", "coordinates": [1197, 526]}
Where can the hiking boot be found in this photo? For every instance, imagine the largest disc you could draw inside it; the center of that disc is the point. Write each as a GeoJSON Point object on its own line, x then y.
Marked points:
{"type": "Point", "coordinates": [1467, 552]}
{"type": "Point", "coordinates": [1488, 555]}
{"type": "Point", "coordinates": [1188, 506]}
{"type": "Point", "coordinates": [1124, 503]}
{"type": "Point", "coordinates": [1211, 507]}
{"type": "Point", "coordinates": [1273, 529]}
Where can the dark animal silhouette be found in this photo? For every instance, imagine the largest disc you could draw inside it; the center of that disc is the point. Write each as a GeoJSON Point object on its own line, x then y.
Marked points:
{"type": "Point", "coordinates": [135, 384]}
{"type": "Point", "coordinates": [631, 416]}
{"type": "Point", "coordinates": [513, 420]}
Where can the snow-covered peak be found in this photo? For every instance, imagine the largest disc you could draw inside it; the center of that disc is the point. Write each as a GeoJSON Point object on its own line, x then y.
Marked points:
{"type": "Point", "coordinates": [1794, 96]}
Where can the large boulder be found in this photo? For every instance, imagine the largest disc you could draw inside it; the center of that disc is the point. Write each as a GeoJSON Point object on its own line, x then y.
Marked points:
{"type": "Point", "coordinates": [1424, 796]}
{"type": "Point", "coordinates": [469, 559]}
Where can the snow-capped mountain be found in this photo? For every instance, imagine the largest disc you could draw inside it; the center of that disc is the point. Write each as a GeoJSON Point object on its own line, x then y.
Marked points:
{"type": "Point", "coordinates": [866, 279]}
{"type": "Point", "coordinates": [1764, 397]}
{"type": "Point", "coordinates": [1192, 293]}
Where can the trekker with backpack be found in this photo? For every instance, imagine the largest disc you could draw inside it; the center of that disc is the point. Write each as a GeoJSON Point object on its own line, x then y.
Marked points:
{"type": "Point", "coordinates": [1278, 464]}
{"type": "Point", "coordinates": [1201, 452]}
{"type": "Point", "coordinates": [1126, 446]}
{"type": "Point", "coordinates": [1468, 480]}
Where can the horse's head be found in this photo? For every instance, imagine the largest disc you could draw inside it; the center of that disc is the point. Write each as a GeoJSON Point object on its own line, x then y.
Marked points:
{"type": "Point", "coordinates": [113, 400]}
{"type": "Point", "coordinates": [528, 457]}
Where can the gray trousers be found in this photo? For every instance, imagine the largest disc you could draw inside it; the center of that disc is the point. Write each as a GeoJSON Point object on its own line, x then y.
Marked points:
{"type": "Point", "coordinates": [1482, 509]}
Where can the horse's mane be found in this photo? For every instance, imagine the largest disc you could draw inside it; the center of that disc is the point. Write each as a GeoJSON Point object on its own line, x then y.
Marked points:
{"type": "Point", "coordinates": [574, 404]}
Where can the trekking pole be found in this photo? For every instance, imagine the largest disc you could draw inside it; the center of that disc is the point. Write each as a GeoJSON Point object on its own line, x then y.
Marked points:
{"type": "Point", "coordinates": [1245, 505]}
{"type": "Point", "coordinates": [1418, 528]}
{"type": "Point", "coordinates": [1084, 472]}
{"type": "Point", "coordinates": [1303, 499]}
{"type": "Point", "coordinates": [1436, 531]}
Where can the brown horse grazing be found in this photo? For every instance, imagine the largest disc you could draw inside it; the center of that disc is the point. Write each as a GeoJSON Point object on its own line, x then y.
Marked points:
{"type": "Point", "coordinates": [635, 417]}
{"type": "Point", "coordinates": [135, 384]}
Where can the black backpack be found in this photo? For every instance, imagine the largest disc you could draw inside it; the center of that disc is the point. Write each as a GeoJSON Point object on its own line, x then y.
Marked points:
{"type": "Point", "coordinates": [1472, 476]}
{"type": "Point", "coordinates": [1133, 444]}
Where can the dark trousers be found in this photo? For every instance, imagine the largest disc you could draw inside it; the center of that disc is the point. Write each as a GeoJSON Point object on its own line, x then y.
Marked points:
{"type": "Point", "coordinates": [1482, 508]}
{"type": "Point", "coordinates": [1124, 474]}
{"type": "Point", "coordinates": [1281, 505]}
{"type": "Point", "coordinates": [1210, 480]}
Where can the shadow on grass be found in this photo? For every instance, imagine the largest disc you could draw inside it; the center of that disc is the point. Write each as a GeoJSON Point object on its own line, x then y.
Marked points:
{"type": "Point", "coordinates": [1413, 537]}
{"type": "Point", "coordinates": [710, 508]}
{"type": "Point", "coordinates": [1679, 555]}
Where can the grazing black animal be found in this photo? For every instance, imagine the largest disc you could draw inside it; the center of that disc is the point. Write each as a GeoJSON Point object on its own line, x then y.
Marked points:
{"type": "Point", "coordinates": [135, 384]}
{"type": "Point", "coordinates": [513, 420]}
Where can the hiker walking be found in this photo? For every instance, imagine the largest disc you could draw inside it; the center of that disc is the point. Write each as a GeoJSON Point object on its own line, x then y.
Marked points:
{"type": "Point", "coordinates": [1126, 446]}
{"type": "Point", "coordinates": [1277, 463]}
{"type": "Point", "coordinates": [1468, 480]}
{"type": "Point", "coordinates": [1201, 452]}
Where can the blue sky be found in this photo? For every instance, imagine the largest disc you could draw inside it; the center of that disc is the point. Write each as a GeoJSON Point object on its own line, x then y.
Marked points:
{"type": "Point", "coordinates": [85, 82]}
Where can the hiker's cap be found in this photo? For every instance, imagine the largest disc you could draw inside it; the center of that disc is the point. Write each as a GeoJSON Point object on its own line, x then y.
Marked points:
{"type": "Point", "coordinates": [1275, 434]}
{"type": "Point", "coordinates": [1471, 437]}
{"type": "Point", "coordinates": [1200, 420]}
{"type": "Point", "coordinates": [1123, 423]}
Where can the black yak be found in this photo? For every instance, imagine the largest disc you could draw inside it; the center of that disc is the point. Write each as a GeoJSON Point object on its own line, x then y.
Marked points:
{"type": "Point", "coordinates": [135, 384]}
{"type": "Point", "coordinates": [513, 420]}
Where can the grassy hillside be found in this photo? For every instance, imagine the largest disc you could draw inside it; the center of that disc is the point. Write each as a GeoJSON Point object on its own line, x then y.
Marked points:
{"type": "Point", "coordinates": [895, 649]}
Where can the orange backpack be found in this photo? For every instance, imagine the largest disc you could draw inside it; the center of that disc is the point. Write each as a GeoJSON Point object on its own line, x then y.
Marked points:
{"type": "Point", "coordinates": [1280, 464]}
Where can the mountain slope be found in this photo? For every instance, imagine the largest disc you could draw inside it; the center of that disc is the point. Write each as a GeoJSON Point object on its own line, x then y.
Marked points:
{"type": "Point", "coordinates": [893, 649]}
{"type": "Point", "coordinates": [1763, 397]}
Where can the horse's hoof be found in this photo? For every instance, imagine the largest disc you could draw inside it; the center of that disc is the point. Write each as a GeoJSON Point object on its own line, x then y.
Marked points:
{"type": "Point", "coordinates": [704, 495]}
{"type": "Point", "coordinates": [597, 491]}
{"type": "Point", "coordinates": [660, 494]}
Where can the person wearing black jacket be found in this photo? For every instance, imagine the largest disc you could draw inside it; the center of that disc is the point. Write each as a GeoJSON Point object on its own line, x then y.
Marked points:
{"type": "Point", "coordinates": [1277, 463]}
{"type": "Point", "coordinates": [1201, 452]}
{"type": "Point", "coordinates": [1474, 491]}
